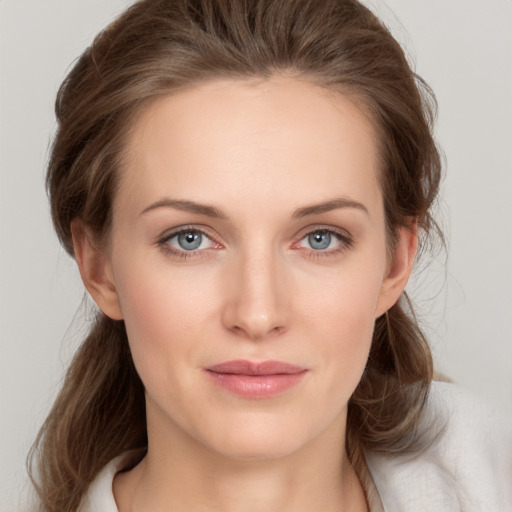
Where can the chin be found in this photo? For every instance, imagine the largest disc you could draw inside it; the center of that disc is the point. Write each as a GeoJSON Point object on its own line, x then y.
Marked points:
{"type": "Point", "coordinates": [256, 438]}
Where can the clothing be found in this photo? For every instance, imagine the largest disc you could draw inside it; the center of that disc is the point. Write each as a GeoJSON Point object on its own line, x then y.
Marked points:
{"type": "Point", "coordinates": [467, 469]}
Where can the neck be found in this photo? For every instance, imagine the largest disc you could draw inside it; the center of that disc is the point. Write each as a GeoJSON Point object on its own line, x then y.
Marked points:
{"type": "Point", "coordinates": [183, 475]}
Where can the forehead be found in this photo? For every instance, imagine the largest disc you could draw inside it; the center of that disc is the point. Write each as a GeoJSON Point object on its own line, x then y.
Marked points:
{"type": "Point", "coordinates": [249, 138]}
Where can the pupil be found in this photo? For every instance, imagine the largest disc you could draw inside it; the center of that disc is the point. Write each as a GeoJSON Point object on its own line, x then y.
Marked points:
{"type": "Point", "coordinates": [320, 240]}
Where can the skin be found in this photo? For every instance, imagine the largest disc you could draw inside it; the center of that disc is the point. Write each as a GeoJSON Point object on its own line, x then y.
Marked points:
{"type": "Point", "coordinates": [260, 152]}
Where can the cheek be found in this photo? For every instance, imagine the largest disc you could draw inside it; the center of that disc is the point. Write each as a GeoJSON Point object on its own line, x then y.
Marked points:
{"type": "Point", "coordinates": [346, 299]}
{"type": "Point", "coordinates": [343, 319]}
{"type": "Point", "coordinates": [349, 331]}
{"type": "Point", "coordinates": [163, 313]}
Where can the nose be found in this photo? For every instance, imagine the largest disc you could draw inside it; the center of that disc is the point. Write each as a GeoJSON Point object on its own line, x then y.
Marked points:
{"type": "Point", "coordinates": [256, 304]}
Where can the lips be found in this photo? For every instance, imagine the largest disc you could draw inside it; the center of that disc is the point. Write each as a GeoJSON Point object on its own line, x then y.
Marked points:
{"type": "Point", "coordinates": [249, 368]}
{"type": "Point", "coordinates": [256, 380]}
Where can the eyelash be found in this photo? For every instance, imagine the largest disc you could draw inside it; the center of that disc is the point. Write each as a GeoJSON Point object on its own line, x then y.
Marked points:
{"type": "Point", "coordinates": [344, 238]}
{"type": "Point", "coordinates": [163, 243]}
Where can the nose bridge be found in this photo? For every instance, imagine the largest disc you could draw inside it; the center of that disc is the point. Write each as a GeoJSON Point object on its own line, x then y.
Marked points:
{"type": "Point", "coordinates": [256, 306]}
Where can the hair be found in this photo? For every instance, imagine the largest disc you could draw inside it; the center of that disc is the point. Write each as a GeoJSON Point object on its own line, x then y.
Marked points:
{"type": "Point", "coordinates": [159, 46]}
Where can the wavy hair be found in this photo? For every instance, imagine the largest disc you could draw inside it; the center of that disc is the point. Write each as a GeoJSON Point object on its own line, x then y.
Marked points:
{"type": "Point", "coordinates": [159, 46]}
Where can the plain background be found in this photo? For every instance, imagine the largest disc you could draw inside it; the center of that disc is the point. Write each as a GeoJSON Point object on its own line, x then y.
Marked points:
{"type": "Point", "coordinates": [463, 48]}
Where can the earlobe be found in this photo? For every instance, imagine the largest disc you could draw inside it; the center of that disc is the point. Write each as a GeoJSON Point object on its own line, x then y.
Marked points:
{"type": "Point", "coordinates": [95, 270]}
{"type": "Point", "coordinates": [399, 268]}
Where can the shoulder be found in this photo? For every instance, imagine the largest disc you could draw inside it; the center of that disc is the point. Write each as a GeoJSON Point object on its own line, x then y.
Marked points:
{"type": "Point", "coordinates": [468, 468]}
{"type": "Point", "coordinates": [99, 497]}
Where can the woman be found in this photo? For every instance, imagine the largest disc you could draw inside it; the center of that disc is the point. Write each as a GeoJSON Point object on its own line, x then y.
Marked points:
{"type": "Point", "coordinates": [244, 186]}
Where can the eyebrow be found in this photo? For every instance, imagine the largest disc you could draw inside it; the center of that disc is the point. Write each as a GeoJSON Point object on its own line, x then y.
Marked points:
{"type": "Point", "coordinates": [328, 206]}
{"type": "Point", "coordinates": [211, 211]}
{"type": "Point", "coordinates": [186, 206]}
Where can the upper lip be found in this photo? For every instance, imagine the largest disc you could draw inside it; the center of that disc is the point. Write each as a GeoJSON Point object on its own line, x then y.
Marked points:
{"type": "Point", "coordinates": [241, 367]}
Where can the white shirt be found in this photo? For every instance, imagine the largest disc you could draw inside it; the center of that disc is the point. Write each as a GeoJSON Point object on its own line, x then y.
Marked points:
{"type": "Point", "coordinates": [468, 469]}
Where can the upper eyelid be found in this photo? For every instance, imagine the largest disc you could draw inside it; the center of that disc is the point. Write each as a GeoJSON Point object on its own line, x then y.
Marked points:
{"type": "Point", "coordinates": [323, 227]}
{"type": "Point", "coordinates": [170, 233]}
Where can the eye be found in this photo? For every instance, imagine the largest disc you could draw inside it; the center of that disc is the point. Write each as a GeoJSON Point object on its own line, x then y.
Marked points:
{"type": "Point", "coordinates": [187, 240]}
{"type": "Point", "coordinates": [190, 240]}
{"type": "Point", "coordinates": [324, 240]}
{"type": "Point", "coordinates": [320, 240]}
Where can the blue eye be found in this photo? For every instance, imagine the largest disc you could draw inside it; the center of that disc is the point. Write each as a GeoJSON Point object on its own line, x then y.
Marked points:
{"type": "Point", "coordinates": [188, 240]}
{"type": "Point", "coordinates": [325, 241]}
{"type": "Point", "coordinates": [320, 240]}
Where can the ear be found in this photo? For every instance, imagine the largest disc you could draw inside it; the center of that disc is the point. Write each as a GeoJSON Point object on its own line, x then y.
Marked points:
{"type": "Point", "coordinates": [95, 270]}
{"type": "Point", "coordinates": [399, 268]}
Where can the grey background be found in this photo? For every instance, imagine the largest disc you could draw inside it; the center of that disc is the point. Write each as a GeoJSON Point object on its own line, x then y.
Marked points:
{"type": "Point", "coordinates": [463, 48]}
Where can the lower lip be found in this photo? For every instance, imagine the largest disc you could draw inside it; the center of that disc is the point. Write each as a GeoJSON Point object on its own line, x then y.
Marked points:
{"type": "Point", "coordinates": [256, 386]}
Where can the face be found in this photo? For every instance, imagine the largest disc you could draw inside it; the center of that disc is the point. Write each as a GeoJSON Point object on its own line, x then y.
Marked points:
{"type": "Point", "coordinates": [248, 260]}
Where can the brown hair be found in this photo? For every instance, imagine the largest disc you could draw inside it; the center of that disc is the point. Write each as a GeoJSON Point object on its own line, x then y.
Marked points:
{"type": "Point", "coordinates": [154, 48]}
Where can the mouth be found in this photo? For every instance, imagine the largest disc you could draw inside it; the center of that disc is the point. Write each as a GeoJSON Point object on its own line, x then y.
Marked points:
{"type": "Point", "coordinates": [256, 380]}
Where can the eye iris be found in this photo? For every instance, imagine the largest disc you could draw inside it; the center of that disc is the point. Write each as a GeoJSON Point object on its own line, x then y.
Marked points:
{"type": "Point", "coordinates": [319, 240]}
{"type": "Point", "coordinates": [190, 240]}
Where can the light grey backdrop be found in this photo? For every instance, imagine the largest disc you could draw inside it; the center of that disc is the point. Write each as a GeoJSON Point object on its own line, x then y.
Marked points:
{"type": "Point", "coordinates": [463, 48]}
